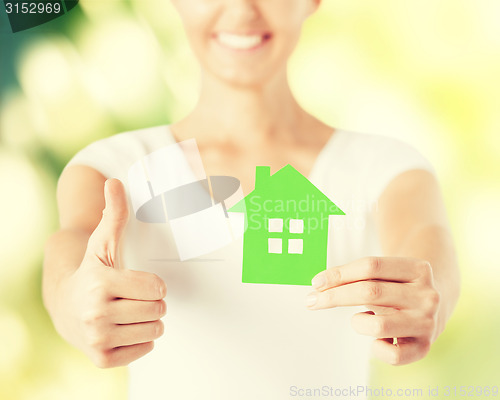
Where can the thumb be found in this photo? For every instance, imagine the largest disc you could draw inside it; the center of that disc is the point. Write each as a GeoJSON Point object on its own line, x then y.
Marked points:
{"type": "Point", "coordinates": [105, 240]}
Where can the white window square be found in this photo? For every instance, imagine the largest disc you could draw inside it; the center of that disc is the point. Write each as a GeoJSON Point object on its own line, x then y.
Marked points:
{"type": "Point", "coordinates": [275, 246]}
{"type": "Point", "coordinates": [296, 226]}
{"type": "Point", "coordinates": [295, 246]}
{"type": "Point", "coordinates": [275, 225]}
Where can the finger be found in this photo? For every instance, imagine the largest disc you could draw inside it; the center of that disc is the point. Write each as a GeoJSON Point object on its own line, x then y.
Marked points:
{"type": "Point", "coordinates": [105, 239]}
{"type": "Point", "coordinates": [395, 269]}
{"type": "Point", "coordinates": [121, 356]}
{"type": "Point", "coordinates": [398, 324]}
{"type": "Point", "coordinates": [137, 285]}
{"type": "Point", "coordinates": [126, 311]}
{"type": "Point", "coordinates": [373, 293]}
{"type": "Point", "coordinates": [126, 335]}
{"type": "Point", "coordinates": [407, 350]}
{"type": "Point", "coordinates": [380, 310]}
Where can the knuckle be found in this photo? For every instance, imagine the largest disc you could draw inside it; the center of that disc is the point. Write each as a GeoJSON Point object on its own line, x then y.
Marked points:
{"type": "Point", "coordinates": [326, 298]}
{"type": "Point", "coordinates": [159, 328]}
{"type": "Point", "coordinates": [429, 324]}
{"type": "Point", "coordinates": [425, 347]}
{"type": "Point", "coordinates": [96, 339]}
{"type": "Point", "coordinates": [380, 327]}
{"type": "Point", "coordinates": [372, 291]}
{"type": "Point", "coordinates": [161, 308]}
{"type": "Point", "coordinates": [99, 288]}
{"type": "Point", "coordinates": [432, 301]}
{"type": "Point", "coordinates": [102, 359]}
{"type": "Point", "coordinates": [159, 286]}
{"type": "Point", "coordinates": [424, 268]}
{"type": "Point", "coordinates": [396, 357]}
{"type": "Point", "coordinates": [93, 317]}
{"type": "Point", "coordinates": [334, 275]}
{"type": "Point", "coordinates": [435, 298]}
{"type": "Point", "coordinates": [101, 250]}
{"type": "Point", "coordinates": [374, 265]}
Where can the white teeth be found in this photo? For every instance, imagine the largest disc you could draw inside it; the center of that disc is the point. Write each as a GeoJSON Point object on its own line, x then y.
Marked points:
{"type": "Point", "coordinates": [239, 42]}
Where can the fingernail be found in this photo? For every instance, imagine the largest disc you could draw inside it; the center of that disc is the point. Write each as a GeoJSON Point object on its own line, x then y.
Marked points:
{"type": "Point", "coordinates": [311, 299]}
{"type": "Point", "coordinates": [318, 281]}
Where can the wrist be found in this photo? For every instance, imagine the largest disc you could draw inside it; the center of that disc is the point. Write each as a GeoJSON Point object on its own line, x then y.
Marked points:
{"type": "Point", "coordinates": [53, 295]}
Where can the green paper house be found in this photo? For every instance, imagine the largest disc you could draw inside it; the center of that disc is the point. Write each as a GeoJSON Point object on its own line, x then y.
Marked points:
{"type": "Point", "coordinates": [286, 235]}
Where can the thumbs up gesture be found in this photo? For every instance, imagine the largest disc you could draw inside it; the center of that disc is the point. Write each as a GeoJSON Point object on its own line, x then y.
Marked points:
{"type": "Point", "coordinates": [111, 314]}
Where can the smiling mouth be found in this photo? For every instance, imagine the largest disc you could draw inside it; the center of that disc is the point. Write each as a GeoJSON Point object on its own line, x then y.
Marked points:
{"type": "Point", "coordinates": [241, 42]}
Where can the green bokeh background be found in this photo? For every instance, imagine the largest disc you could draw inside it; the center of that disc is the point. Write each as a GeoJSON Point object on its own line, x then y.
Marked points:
{"type": "Point", "coordinates": [424, 71]}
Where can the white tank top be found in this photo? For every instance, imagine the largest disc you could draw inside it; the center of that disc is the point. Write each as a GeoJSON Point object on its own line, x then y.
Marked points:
{"type": "Point", "coordinates": [225, 339]}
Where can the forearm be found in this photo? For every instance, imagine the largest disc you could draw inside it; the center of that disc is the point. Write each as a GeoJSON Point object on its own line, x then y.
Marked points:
{"type": "Point", "coordinates": [433, 243]}
{"type": "Point", "coordinates": [64, 252]}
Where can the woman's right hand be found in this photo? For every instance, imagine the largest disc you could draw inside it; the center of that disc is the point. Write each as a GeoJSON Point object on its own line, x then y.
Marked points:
{"type": "Point", "coordinates": [111, 314]}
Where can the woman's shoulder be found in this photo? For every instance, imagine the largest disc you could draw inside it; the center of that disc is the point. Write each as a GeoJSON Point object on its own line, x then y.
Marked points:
{"type": "Point", "coordinates": [115, 152]}
{"type": "Point", "coordinates": [370, 142]}
{"type": "Point", "coordinates": [369, 148]}
{"type": "Point", "coordinates": [371, 161]}
{"type": "Point", "coordinates": [144, 136]}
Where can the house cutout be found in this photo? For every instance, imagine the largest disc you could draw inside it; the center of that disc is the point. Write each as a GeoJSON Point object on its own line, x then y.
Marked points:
{"type": "Point", "coordinates": [286, 235]}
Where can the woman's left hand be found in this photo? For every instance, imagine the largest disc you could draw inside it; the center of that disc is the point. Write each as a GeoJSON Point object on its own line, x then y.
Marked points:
{"type": "Point", "coordinates": [401, 295]}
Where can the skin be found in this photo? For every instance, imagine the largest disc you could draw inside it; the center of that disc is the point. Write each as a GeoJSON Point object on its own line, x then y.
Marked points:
{"type": "Point", "coordinates": [114, 315]}
{"type": "Point", "coordinates": [412, 291]}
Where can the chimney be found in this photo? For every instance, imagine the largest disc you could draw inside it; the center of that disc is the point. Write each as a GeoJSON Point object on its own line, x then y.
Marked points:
{"type": "Point", "coordinates": [262, 174]}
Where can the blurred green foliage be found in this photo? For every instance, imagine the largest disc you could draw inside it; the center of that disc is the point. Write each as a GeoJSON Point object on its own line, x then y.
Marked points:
{"type": "Point", "coordinates": [425, 72]}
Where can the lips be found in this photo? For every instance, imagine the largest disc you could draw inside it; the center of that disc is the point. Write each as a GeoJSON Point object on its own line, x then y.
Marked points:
{"type": "Point", "coordinates": [241, 41]}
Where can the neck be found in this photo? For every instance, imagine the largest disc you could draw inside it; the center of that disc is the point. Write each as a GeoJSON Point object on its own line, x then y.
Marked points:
{"type": "Point", "coordinates": [250, 115]}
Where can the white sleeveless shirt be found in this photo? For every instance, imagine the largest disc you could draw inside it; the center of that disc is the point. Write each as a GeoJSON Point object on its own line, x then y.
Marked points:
{"type": "Point", "coordinates": [225, 339]}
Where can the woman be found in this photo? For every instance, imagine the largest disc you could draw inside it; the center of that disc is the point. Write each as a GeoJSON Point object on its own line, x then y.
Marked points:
{"type": "Point", "coordinates": [222, 338]}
